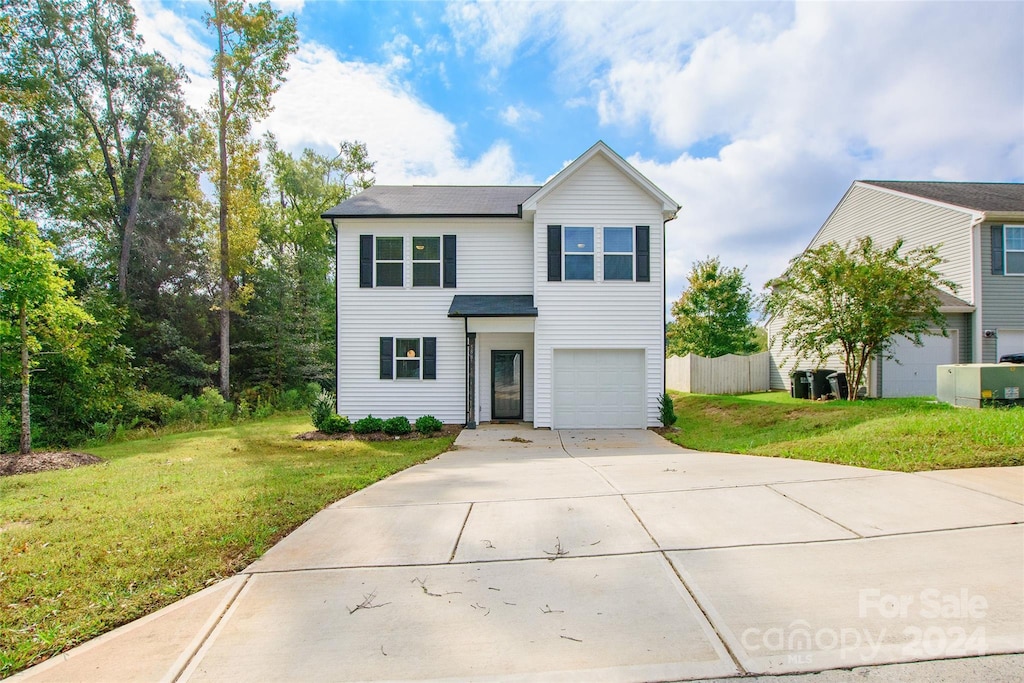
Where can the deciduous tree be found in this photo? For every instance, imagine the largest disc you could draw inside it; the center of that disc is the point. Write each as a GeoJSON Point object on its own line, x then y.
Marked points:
{"type": "Point", "coordinates": [712, 317]}
{"type": "Point", "coordinates": [854, 302]}
{"type": "Point", "coordinates": [35, 297]}
{"type": "Point", "coordinates": [250, 58]}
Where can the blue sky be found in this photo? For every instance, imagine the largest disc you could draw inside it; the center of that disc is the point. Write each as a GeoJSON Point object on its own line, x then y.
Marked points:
{"type": "Point", "coordinates": [756, 117]}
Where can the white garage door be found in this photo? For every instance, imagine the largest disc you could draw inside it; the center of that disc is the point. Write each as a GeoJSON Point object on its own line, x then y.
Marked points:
{"type": "Point", "coordinates": [914, 375]}
{"type": "Point", "coordinates": [599, 388]}
{"type": "Point", "coordinates": [1009, 341]}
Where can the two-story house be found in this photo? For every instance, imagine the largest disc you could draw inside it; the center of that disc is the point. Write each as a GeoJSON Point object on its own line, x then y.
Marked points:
{"type": "Point", "coordinates": [979, 231]}
{"type": "Point", "coordinates": [543, 304]}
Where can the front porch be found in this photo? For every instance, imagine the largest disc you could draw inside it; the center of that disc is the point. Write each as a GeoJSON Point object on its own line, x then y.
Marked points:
{"type": "Point", "coordinates": [499, 356]}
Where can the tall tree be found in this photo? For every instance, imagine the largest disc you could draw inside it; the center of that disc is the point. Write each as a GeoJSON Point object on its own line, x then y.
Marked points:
{"type": "Point", "coordinates": [105, 95]}
{"type": "Point", "coordinates": [253, 46]}
{"type": "Point", "coordinates": [34, 297]}
{"type": "Point", "coordinates": [712, 317]}
{"type": "Point", "coordinates": [288, 330]}
{"type": "Point", "coordinates": [855, 302]}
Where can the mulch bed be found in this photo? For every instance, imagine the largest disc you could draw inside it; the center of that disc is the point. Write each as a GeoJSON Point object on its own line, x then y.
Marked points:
{"type": "Point", "coordinates": [43, 461]}
{"type": "Point", "coordinates": [447, 430]}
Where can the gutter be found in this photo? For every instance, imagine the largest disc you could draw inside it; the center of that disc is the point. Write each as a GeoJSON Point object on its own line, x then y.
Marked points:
{"type": "Point", "coordinates": [337, 323]}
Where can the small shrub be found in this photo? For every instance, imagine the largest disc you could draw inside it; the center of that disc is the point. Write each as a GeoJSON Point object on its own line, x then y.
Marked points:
{"type": "Point", "coordinates": [244, 411]}
{"type": "Point", "coordinates": [148, 407]}
{"type": "Point", "coordinates": [396, 426]}
{"type": "Point", "coordinates": [336, 424]}
{"type": "Point", "coordinates": [428, 424]}
{"type": "Point", "coordinates": [668, 411]}
{"type": "Point", "coordinates": [264, 410]}
{"type": "Point", "coordinates": [368, 425]}
{"type": "Point", "coordinates": [322, 408]}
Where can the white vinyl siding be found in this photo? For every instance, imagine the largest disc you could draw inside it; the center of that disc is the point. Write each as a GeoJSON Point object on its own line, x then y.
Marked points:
{"type": "Point", "coordinates": [598, 315]}
{"type": "Point", "coordinates": [1002, 299]}
{"type": "Point", "coordinates": [886, 216]}
{"type": "Point", "coordinates": [494, 257]}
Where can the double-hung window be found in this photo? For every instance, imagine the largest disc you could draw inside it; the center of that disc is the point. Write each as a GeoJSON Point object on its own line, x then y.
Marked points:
{"type": "Point", "coordinates": [390, 262]}
{"type": "Point", "coordinates": [579, 253]}
{"type": "Point", "coordinates": [426, 261]}
{"type": "Point", "coordinates": [407, 358]}
{"type": "Point", "coordinates": [618, 254]}
{"type": "Point", "coordinates": [1014, 249]}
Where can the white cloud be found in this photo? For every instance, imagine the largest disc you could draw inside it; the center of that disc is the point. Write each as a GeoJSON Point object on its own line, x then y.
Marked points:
{"type": "Point", "coordinates": [289, 6]}
{"type": "Point", "coordinates": [326, 100]}
{"type": "Point", "coordinates": [180, 40]}
{"type": "Point", "coordinates": [787, 103]}
{"type": "Point", "coordinates": [518, 115]}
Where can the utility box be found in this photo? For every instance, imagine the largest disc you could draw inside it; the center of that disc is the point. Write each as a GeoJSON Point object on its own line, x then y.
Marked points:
{"type": "Point", "coordinates": [979, 384]}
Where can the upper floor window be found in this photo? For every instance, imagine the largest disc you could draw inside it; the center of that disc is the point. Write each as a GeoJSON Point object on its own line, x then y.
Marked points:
{"type": "Point", "coordinates": [618, 254]}
{"type": "Point", "coordinates": [426, 261]}
{"type": "Point", "coordinates": [390, 264]}
{"type": "Point", "coordinates": [433, 261]}
{"type": "Point", "coordinates": [1014, 249]}
{"type": "Point", "coordinates": [579, 253]}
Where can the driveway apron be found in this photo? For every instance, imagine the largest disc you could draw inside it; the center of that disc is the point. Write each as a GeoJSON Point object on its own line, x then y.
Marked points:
{"type": "Point", "coordinates": [605, 555]}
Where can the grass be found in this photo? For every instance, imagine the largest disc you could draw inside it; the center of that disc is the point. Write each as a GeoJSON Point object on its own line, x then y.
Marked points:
{"type": "Point", "coordinates": [906, 435]}
{"type": "Point", "coordinates": [85, 550]}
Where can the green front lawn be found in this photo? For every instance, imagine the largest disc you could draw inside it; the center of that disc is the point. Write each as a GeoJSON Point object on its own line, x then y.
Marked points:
{"type": "Point", "coordinates": [906, 435]}
{"type": "Point", "coordinates": [85, 550]}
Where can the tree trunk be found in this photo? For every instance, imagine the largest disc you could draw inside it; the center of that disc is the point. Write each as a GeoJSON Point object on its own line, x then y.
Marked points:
{"type": "Point", "coordinates": [129, 226]}
{"type": "Point", "coordinates": [225, 281]}
{"type": "Point", "coordinates": [25, 447]}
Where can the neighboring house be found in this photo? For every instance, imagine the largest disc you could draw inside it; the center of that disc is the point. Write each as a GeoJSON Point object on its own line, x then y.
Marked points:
{"type": "Point", "coordinates": [979, 231]}
{"type": "Point", "coordinates": [474, 304]}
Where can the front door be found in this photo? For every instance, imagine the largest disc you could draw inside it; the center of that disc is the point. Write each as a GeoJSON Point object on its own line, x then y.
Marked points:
{"type": "Point", "coordinates": [506, 385]}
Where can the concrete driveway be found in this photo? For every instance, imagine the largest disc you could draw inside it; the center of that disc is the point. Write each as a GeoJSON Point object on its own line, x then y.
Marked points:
{"type": "Point", "coordinates": [609, 555]}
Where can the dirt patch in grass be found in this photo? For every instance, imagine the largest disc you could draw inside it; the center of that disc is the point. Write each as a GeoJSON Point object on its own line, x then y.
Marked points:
{"type": "Point", "coordinates": [43, 461]}
{"type": "Point", "coordinates": [447, 430]}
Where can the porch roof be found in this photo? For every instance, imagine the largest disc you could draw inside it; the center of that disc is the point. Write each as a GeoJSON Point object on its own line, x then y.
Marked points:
{"type": "Point", "coordinates": [492, 306]}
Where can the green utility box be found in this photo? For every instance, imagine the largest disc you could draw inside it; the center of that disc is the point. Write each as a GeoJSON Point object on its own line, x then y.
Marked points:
{"type": "Point", "coordinates": [978, 384]}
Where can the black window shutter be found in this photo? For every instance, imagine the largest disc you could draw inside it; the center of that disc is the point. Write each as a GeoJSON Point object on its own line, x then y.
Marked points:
{"type": "Point", "coordinates": [387, 352]}
{"type": "Point", "coordinates": [554, 253]}
{"type": "Point", "coordinates": [366, 260]}
{"type": "Point", "coordinates": [997, 250]}
{"type": "Point", "coordinates": [643, 253]}
{"type": "Point", "coordinates": [430, 358]}
{"type": "Point", "coordinates": [449, 261]}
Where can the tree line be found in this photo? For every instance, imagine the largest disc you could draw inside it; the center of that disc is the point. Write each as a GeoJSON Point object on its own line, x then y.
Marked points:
{"type": "Point", "coordinates": [148, 247]}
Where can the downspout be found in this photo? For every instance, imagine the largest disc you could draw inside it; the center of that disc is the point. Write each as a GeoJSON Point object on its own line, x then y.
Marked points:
{"type": "Point", "coordinates": [337, 322]}
{"type": "Point", "coordinates": [470, 376]}
{"type": "Point", "coordinates": [978, 323]}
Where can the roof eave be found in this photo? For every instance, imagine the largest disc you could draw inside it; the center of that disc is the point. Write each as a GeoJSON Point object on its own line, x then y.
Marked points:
{"type": "Point", "coordinates": [1004, 216]}
{"type": "Point", "coordinates": [329, 216]}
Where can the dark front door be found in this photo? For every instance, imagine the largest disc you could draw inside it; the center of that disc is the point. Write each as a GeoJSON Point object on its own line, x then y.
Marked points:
{"type": "Point", "coordinates": [506, 385]}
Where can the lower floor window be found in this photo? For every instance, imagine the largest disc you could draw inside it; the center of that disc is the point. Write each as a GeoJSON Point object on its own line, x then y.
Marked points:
{"type": "Point", "coordinates": [407, 358]}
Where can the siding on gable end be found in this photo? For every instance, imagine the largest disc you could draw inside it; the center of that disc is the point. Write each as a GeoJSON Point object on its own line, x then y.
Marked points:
{"type": "Point", "coordinates": [609, 315]}
{"type": "Point", "coordinates": [1002, 298]}
{"type": "Point", "coordinates": [886, 217]}
{"type": "Point", "coordinates": [494, 257]}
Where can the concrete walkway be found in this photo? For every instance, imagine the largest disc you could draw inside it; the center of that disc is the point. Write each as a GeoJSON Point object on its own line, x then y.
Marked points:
{"type": "Point", "coordinates": [610, 555]}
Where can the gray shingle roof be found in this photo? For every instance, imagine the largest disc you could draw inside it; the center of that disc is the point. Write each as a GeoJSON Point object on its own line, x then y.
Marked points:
{"type": "Point", "coordinates": [948, 301]}
{"type": "Point", "coordinates": [492, 306]}
{"type": "Point", "coordinates": [977, 196]}
{"type": "Point", "coordinates": [389, 201]}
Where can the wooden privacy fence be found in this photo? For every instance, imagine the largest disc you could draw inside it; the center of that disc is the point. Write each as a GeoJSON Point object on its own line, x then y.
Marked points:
{"type": "Point", "coordinates": [726, 374]}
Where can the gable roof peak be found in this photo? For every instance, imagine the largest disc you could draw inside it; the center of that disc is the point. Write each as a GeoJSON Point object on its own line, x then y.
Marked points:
{"type": "Point", "coordinates": [669, 206]}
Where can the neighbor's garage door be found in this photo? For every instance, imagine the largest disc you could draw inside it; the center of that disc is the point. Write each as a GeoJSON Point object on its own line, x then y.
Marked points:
{"type": "Point", "coordinates": [1009, 341]}
{"type": "Point", "coordinates": [599, 388]}
{"type": "Point", "coordinates": [914, 375]}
